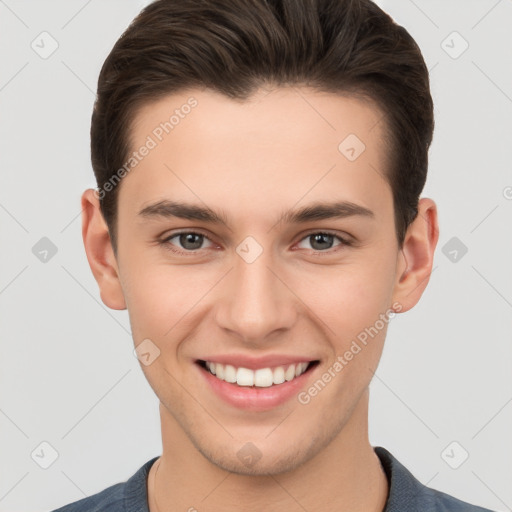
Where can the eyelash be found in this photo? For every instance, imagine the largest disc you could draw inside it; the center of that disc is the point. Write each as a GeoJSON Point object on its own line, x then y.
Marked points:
{"type": "Point", "coordinates": [165, 243]}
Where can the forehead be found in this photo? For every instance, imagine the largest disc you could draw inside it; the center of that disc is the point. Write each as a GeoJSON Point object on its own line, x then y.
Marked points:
{"type": "Point", "coordinates": [279, 147]}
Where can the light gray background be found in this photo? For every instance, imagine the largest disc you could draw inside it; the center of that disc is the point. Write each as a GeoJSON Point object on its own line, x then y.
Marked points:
{"type": "Point", "coordinates": [68, 374]}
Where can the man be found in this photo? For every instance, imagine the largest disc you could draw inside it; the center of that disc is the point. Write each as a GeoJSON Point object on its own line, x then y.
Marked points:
{"type": "Point", "coordinates": [259, 165]}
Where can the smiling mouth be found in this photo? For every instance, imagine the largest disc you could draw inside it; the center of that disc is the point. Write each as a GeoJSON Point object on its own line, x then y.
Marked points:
{"type": "Point", "coordinates": [259, 378]}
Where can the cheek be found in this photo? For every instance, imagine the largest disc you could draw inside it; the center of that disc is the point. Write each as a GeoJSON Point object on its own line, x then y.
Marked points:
{"type": "Point", "coordinates": [355, 329]}
{"type": "Point", "coordinates": [353, 304]}
{"type": "Point", "coordinates": [351, 297]}
{"type": "Point", "coordinates": [159, 296]}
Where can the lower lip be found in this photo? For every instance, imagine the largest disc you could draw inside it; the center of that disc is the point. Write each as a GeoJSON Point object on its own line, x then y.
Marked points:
{"type": "Point", "coordinates": [254, 398]}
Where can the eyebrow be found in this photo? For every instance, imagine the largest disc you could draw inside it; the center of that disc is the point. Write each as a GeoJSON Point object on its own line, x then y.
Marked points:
{"type": "Point", "coordinates": [316, 211]}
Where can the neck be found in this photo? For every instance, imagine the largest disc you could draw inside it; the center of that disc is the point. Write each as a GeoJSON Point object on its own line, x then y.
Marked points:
{"type": "Point", "coordinates": [345, 476]}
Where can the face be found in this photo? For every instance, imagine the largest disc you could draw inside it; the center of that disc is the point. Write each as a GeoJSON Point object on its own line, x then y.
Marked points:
{"type": "Point", "coordinates": [262, 281]}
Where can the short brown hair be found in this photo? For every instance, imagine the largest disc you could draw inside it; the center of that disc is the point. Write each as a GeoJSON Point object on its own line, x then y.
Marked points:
{"type": "Point", "coordinates": [236, 46]}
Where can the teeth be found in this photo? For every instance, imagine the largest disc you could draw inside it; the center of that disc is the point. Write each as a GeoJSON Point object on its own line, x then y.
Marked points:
{"type": "Point", "coordinates": [290, 372]}
{"type": "Point", "coordinates": [299, 369]}
{"type": "Point", "coordinates": [219, 371]}
{"type": "Point", "coordinates": [261, 378]}
{"type": "Point", "coordinates": [279, 375]}
{"type": "Point", "coordinates": [230, 373]}
{"type": "Point", "coordinates": [244, 377]}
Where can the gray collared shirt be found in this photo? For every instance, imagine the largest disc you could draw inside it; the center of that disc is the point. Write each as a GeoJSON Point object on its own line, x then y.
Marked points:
{"type": "Point", "coordinates": [406, 493]}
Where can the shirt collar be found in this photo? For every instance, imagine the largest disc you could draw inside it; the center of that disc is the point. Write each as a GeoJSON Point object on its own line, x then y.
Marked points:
{"type": "Point", "coordinates": [405, 491]}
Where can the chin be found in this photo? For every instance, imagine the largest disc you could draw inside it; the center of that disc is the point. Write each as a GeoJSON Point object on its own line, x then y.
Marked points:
{"type": "Point", "coordinates": [260, 458]}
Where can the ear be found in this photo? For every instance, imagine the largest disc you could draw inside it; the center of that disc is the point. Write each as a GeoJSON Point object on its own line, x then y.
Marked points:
{"type": "Point", "coordinates": [416, 257]}
{"type": "Point", "coordinates": [100, 253]}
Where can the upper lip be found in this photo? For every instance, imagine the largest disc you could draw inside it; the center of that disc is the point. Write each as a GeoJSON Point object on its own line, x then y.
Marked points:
{"type": "Point", "coordinates": [253, 363]}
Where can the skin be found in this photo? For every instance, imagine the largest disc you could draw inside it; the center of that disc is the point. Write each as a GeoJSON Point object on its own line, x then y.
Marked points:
{"type": "Point", "coordinates": [251, 161]}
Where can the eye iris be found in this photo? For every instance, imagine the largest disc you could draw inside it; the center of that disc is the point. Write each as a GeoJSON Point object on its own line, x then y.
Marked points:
{"type": "Point", "coordinates": [321, 237]}
{"type": "Point", "coordinates": [188, 237]}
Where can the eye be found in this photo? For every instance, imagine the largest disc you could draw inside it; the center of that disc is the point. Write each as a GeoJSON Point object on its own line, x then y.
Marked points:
{"type": "Point", "coordinates": [322, 241]}
{"type": "Point", "coordinates": [191, 241]}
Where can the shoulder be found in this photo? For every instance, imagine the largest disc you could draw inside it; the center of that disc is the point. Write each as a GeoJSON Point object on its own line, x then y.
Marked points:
{"type": "Point", "coordinates": [110, 499]}
{"type": "Point", "coordinates": [129, 496]}
{"type": "Point", "coordinates": [442, 502]}
{"type": "Point", "coordinates": [408, 493]}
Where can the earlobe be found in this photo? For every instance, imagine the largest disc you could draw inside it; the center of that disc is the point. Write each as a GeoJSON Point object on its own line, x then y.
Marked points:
{"type": "Point", "coordinates": [417, 255]}
{"type": "Point", "coordinates": [100, 253]}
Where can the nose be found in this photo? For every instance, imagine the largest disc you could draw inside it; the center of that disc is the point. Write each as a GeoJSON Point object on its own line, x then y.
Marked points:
{"type": "Point", "coordinates": [256, 303]}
